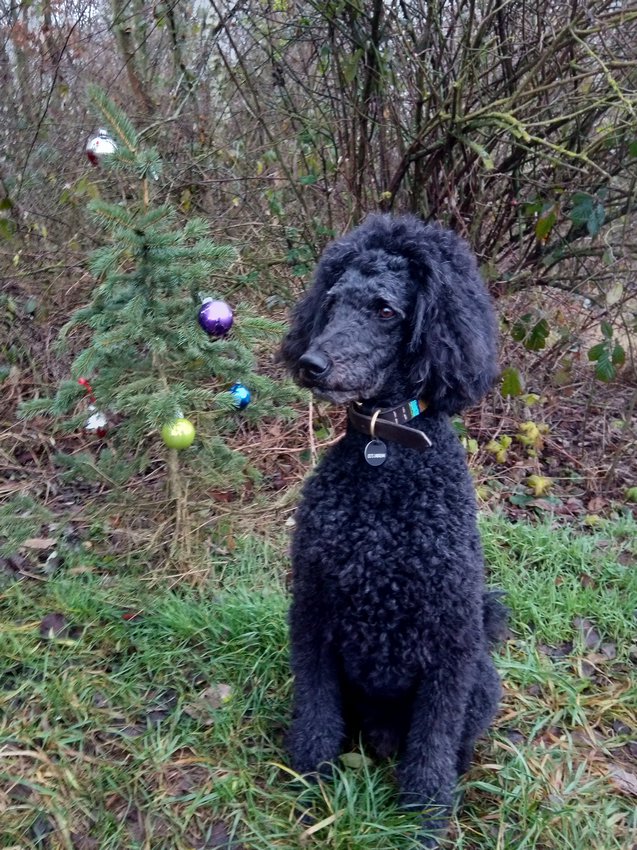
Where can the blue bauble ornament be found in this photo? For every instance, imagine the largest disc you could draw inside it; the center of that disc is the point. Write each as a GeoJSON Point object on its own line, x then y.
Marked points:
{"type": "Point", "coordinates": [241, 395]}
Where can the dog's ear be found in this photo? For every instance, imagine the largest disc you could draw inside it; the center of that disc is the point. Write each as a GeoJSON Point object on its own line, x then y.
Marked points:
{"type": "Point", "coordinates": [303, 326]}
{"type": "Point", "coordinates": [453, 342]}
{"type": "Point", "coordinates": [308, 316]}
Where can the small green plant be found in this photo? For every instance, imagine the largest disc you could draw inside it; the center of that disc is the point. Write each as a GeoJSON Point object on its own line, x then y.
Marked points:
{"type": "Point", "coordinates": [588, 211]}
{"type": "Point", "coordinates": [607, 355]}
{"type": "Point", "coordinates": [531, 435]}
{"type": "Point", "coordinates": [499, 447]}
{"type": "Point", "coordinates": [532, 330]}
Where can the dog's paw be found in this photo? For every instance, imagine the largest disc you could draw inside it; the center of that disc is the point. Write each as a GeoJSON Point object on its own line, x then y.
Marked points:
{"type": "Point", "coordinates": [311, 752]}
{"type": "Point", "coordinates": [430, 794]}
{"type": "Point", "coordinates": [434, 819]}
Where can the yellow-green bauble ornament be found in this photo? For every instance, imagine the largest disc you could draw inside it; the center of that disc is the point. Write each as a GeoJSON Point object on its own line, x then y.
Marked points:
{"type": "Point", "coordinates": [178, 434]}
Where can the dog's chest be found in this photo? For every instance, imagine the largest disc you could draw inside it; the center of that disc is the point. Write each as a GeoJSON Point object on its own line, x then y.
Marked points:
{"type": "Point", "coordinates": [384, 555]}
{"type": "Point", "coordinates": [380, 625]}
{"type": "Point", "coordinates": [381, 612]}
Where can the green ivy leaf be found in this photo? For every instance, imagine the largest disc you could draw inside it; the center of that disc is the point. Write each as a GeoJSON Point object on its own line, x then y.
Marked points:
{"type": "Point", "coordinates": [521, 328]}
{"type": "Point", "coordinates": [596, 219]}
{"type": "Point", "coordinates": [618, 357]}
{"type": "Point", "coordinates": [533, 337]}
{"type": "Point", "coordinates": [536, 340]}
{"type": "Point", "coordinates": [545, 224]}
{"type": "Point", "coordinates": [581, 209]}
{"type": "Point", "coordinates": [596, 351]}
{"type": "Point", "coordinates": [459, 426]}
{"type": "Point", "coordinates": [604, 369]}
{"type": "Point", "coordinates": [7, 228]}
{"type": "Point", "coordinates": [607, 329]}
{"type": "Point", "coordinates": [521, 500]}
{"type": "Point", "coordinates": [511, 383]}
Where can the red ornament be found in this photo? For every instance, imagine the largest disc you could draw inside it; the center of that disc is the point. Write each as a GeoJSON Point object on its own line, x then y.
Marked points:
{"type": "Point", "coordinates": [96, 423]}
{"type": "Point", "coordinates": [89, 389]}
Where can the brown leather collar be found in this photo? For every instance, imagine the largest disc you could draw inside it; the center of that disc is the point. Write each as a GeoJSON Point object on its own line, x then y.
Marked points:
{"type": "Point", "coordinates": [388, 424]}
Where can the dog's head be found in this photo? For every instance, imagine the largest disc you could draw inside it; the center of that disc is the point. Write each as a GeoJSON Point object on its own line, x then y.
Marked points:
{"type": "Point", "coordinates": [397, 310]}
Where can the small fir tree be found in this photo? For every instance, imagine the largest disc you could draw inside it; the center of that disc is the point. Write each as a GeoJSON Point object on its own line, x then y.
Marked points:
{"type": "Point", "coordinates": [147, 358]}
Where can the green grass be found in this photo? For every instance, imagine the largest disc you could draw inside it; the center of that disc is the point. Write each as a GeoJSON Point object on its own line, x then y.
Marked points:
{"type": "Point", "coordinates": [116, 733]}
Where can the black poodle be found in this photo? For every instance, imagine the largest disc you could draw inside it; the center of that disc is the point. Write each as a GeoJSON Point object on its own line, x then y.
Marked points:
{"type": "Point", "coordinates": [390, 623]}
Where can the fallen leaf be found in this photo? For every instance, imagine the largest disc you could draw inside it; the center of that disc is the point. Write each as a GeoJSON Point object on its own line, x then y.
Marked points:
{"type": "Point", "coordinates": [587, 669]}
{"type": "Point", "coordinates": [161, 707]}
{"type": "Point", "coordinates": [135, 826]}
{"type": "Point", "coordinates": [355, 760]}
{"type": "Point", "coordinates": [222, 495]}
{"type": "Point", "coordinates": [53, 625]}
{"type": "Point", "coordinates": [589, 635]}
{"type": "Point", "coordinates": [596, 504]}
{"type": "Point", "coordinates": [623, 780]}
{"type": "Point", "coordinates": [99, 700]}
{"type": "Point", "coordinates": [132, 730]}
{"type": "Point", "coordinates": [591, 664]}
{"type": "Point", "coordinates": [626, 559]}
{"type": "Point", "coordinates": [559, 651]}
{"type": "Point", "coordinates": [182, 780]}
{"type": "Point", "coordinates": [609, 650]}
{"type": "Point", "coordinates": [207, 702]}
{"type": "Point", "coordinates": [39, 543]}
{"type": "Point", "coordinates": [541, 504]}
{"type": "Point", "coordinates": [52, 563]}
{"type": "Point", "coordinates": [84, 842]}
{"type": "Point", "coordinates": [40, 831]}
{"type": "Point", "coordinates": [219, 836]}
{"type": "Point", "coordinates": [515, 736]}
{"type": "Point", "coordinates": [80, 571]}
{"type": "Point", "coordinates": [19, 791]}
{"type": "Point", "coordinates": [621, 728]}
{"type": "Point", "coordinates": [216, 695]}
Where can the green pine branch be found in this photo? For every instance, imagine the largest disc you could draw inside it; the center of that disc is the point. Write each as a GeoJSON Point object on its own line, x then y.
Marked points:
{"type": "Point", "coordinates": [117, 121]}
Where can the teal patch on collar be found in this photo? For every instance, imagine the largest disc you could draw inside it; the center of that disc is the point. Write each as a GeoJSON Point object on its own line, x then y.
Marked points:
{"type": "Point", "coordinates": [414, 408]}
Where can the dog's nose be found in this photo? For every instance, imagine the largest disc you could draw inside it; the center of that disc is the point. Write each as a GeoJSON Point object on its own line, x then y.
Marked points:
{"type": "Point", "coordinates": [314, 364]}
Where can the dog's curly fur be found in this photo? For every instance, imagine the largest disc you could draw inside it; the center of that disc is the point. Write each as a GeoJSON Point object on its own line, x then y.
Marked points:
{"type": "Point", "coordinates": [391, 625]}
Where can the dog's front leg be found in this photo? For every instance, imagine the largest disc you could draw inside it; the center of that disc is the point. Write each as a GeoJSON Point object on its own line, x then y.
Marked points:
{"type": "Point", "coordinates": [428, 769]}
{"type": "Point", "coordinates": [317, 731]}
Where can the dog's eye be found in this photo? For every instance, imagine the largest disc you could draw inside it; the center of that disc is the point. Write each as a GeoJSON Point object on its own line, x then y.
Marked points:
{"type": "Point", "coordinates": [385, 312]}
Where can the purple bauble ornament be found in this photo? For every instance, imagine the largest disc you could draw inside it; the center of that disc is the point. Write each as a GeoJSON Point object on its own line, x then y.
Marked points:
{"type": "Point", "coordinates": [215, 317]}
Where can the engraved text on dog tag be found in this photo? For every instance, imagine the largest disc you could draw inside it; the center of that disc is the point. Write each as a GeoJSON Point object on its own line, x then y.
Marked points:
{"type": "Point", "coordinates": [375, 452]}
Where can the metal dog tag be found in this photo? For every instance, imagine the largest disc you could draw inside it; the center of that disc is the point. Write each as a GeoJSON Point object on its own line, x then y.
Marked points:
{"type": "Point", "coordinates": [375, 452]}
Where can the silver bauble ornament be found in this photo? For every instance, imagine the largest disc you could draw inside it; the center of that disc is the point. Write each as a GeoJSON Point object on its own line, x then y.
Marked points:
{"type": "Point", "coordinates": [97, 423]}
{"type": "Point", "coordinates": [99, 146]}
